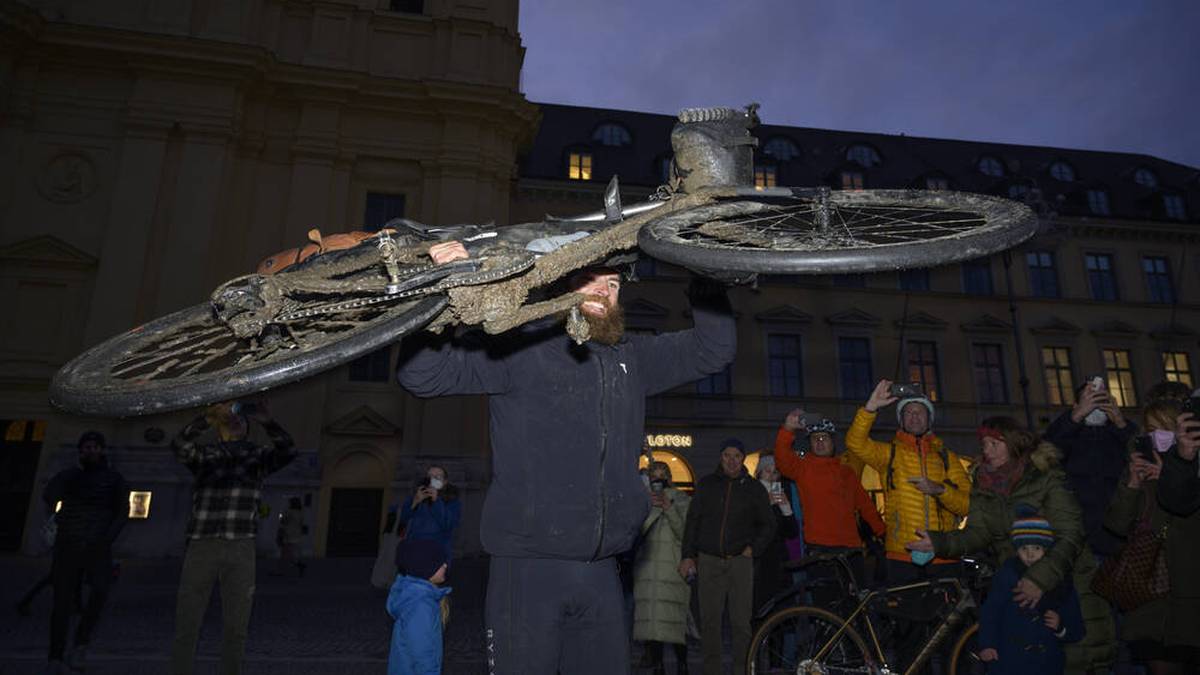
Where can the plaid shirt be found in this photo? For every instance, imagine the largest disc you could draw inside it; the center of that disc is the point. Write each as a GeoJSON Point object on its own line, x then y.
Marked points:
{"type": "Point", "coordinates": [229, 478]}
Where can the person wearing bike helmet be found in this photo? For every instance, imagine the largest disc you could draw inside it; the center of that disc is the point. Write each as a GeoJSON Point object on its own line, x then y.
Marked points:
{"type": "Point", "coordinates": [576, 413]}
{"type": "Point", "coordinates": [925, 485]}
{"type": "Point", "coordinates": [832, 497]}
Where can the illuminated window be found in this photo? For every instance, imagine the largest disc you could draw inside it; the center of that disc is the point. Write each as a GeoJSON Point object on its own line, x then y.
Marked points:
{"type": "Point", "coordinates": [782, 149]}
{"type": "Point", "coordinates": [863, 155]}
{"type": "Point", "coordinates": [1120, 377]}
{"type": "Point", "coordinates": [764, 176]}
{"type": "Point", "coordinates": [1158, 279]}
{"type": "Point", "coordinates": [937, 183]}
{"type": "Point", "coordinates": [990, 166]}
{"type": "Point", "coordinates": [1056, 364]}
{"type": "Point", "coordinates": [853, 180]}
{"type": "Point", "coordinates": [1145, 177]}
{"type": "Point", "coordinates": [579, 166]}
{"type": "Point", "coordinates": [1062, 171]}
{"type": "Point", "coordinates": [1098, 202]}
{"type": "Point", "coordinates": [1173, 207]}
{"type": "Point", "coordinates": [139, 504]}
{"type": "Point", "coordinates": [990, 385]}
{"type": "Point", "coordinates": [923, 367]}
{"type": "Point", "coordinates": [1176, 368]}
{"type": "Point", "coordinates": [612, 134]}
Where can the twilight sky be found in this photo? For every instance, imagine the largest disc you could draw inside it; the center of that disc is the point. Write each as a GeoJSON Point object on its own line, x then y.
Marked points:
{"type": "Point", "coordinates": [1100, 74]}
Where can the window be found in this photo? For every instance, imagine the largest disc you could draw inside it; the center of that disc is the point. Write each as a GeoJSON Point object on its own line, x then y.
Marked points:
{"type": "Point", "coordinates": [914, 280]}
{"type": "Point", "coordinates": [849, 280]}
{"type": "Point", "coordinates": [863, 155]}
{"type": "Point", "coordinates": [783, 365]}
{"type": "Point", "coordinates": [1098, 202]}
{"type": "Point", "coordinates": [1056, 364]}
{"type": "Point", "coordinates": [1176, 368]}
{"type": "Point", "coordinates": [380, 209]}
{"type": "Point", "coordinates": [579, 166]}
{"type": "Point", "coordinates": [937, 183]}
{"type": "Point", "coordinates": [1062, 171]}
{"type": "Point", "coordinates": [1043, 278]}
{"type": "Point", "coordinates": [1120, 377]}
{"type": "Point", "coordinates": [990, 166]}
{"type": "Point", "coordinates": [717, 384]}
{"type": "Point", "coordinates": [852, 180]}
{"type": "Point", "coordinates": [782, 149]}
{"type": "Point", "coordinates": [1173, 207]}
{"type": "Point", "coordinates": [854, 366]}
{"type": "Point", "coordinates": [1145, 177]}
{"type": "Point", "coordinates": [612, 134]}
{"type": "Point", "coordinates": [977, 277]}
{"type": "Point", "coordinates": [990, 386]}
{"type": "Point", "coordinates": [1018, 191]}
{"type": "Point", "coordinates": [1158, 279]}
{"type": "Point", "coordinates": [764, 176]}
{"type": "Point", "coordinates": [139, 504]}
{"type": "Point", "coordinates": [407, 6]}
{"type": "Point", "coordinates": [923, 367]}
{"type": "Point", "coordinates": [1101, 279]}
{"type": "Point", "coordinates": [373, 367]}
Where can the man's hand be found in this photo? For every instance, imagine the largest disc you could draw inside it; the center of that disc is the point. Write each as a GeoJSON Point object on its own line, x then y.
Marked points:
{"type": "Point", "coordinates": [687, 567]}
{"type": "Point", "coordinates": [1142, 470]}
{"type": "Point", "coordinates": [424, 492]}
{"type": "Point", "coordinates": [1187, 436]}
{"type": "Point", "coordinates": [926, 486]}
{"type": "Point", "coordinates": [794, 421]}
{"type": "Point", "coordinates": [881, 397]}
{"type": "Point", "coordinates": [1026, 594]}
{"type": "Point", "coordinates": [1089, 400]}
{"type": "Point", "coordinates": [988, 654]}
{"type": "Point", "coordinates": [447, 251]}
{"type": "Point", "coordinates": [1052, 619]}
{"type": "Point", "coordinates": [777, 498]}
{"type": "Point", "coordinates": [659, 500]}
{"type": "Point", "coordinates": [922, 543]}
{"type": "Point", "coordinates": [748, 553]}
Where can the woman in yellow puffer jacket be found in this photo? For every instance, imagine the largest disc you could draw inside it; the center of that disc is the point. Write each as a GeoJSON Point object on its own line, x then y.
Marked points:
{"type": "Point", "coordinates": [925, 485]}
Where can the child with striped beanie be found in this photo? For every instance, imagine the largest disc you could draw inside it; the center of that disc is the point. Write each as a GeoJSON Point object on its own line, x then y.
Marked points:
{"type": "Point", "coordinates": [1025, 641]}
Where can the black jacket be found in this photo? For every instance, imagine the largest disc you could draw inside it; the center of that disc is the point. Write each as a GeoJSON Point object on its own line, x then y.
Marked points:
{"type": "Point", "coordinates": [566, 426]}
{"type": "Point", "coordinates": [728, 514]}
{"type": "Point", "coordinates": [95, 505]}
{"type": "Point", "coordinates": [1179, 486]}
{"type": "Point", "coordinates": [1093, 458]}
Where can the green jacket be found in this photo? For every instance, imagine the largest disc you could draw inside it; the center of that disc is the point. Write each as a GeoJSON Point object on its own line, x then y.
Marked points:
{"type": "Point", "coordinates": [989, 521]}
{"type": "Point", "coordinates": [660, 595]}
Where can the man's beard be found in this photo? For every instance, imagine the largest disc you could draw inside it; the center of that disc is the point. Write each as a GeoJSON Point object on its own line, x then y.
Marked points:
{"type": "Point", "coordinates": [609, 328]}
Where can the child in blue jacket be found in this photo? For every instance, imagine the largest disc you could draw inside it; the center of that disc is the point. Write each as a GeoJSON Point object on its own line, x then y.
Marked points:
{"type": "Point", "coordinates": [1023, 641]}
{"type": "Point", "coordinates": [416, 602]}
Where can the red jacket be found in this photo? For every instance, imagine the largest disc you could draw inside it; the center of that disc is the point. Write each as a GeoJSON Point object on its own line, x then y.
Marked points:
{"type": "Point", "coordinates": [831, 495]}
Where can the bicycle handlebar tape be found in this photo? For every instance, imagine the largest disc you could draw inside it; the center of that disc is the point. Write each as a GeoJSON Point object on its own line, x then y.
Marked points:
{"type": "Point", "coordinates": [713, 147]}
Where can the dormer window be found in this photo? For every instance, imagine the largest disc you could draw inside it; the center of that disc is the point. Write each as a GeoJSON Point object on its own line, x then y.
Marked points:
{"type": "Point", "coordinates": [1062, 171]}
{"type": "Point", "coordinates": [990, 166]}
{"type": "Point", "coordinates": [579, 166]}
{"type": "Point", "coordinates": [1098, 202]}
{"type": "Point", "coordinates": [863, 155]}
{"type": "Point", "coordinates": [1018, 191]}
{"type": "Point", "coordinates": [1174, 207]}
{"type": "Point", "coordinates": [764, 176]}
{"type": "Point", "coordinates": [782, 149]}
{"type": "Point", "coordinates": [853, 180]}
{"type": "Point", "coordinates": [612, 134]}
{"type": "Point", "coordinates": [1145, 177]}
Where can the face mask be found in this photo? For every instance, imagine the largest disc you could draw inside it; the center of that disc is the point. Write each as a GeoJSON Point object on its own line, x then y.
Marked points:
{"type": "Point", "coordinates": [436, 483]}
{"type": "Point", "coordinates": [1096, 418]}
{"type": "Point", "coordinates": [1163, 440]}
{"type": "Point", "coordinates": [921, 558]}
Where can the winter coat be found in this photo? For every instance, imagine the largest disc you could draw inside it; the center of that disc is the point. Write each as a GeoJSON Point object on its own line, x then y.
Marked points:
{"type": "Point", "coordinates": [769, 575]}
{"type": "Point", "coordinates": [1043, 487]}
{"type": "Point", "coordinates": [435, 520]}
{"type": "Point", "coordinates": [95, 505]}
{"type": "Point", "coordinates": [660, 595]}
{"type": "Point", "coordinates": [1093, 458]}
{"type": "Point", "coordinates": [1179, 485]}
{"type": "Point", "coordinates": [831, 494]}
{"type": "Point", "coordinates": [1026, 646]}
{"type": "Point", "coordinates": [907, 509]}
{"type": "Point", "coordinates": [1175, 619]}
{"type": "Point", "coordinates": [566, 425]}
{"type": "Point", "coordinates": [416, 648]}
{"type": "Point", "coordinates": [727, 515]}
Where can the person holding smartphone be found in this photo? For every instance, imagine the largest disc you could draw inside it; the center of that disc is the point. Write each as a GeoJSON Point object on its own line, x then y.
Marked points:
{"type": "Point", "coordinates": [434, 511]}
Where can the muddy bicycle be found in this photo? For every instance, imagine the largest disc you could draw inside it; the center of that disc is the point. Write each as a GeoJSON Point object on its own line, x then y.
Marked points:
{"type": "Point", "coordinates": [341, 297]}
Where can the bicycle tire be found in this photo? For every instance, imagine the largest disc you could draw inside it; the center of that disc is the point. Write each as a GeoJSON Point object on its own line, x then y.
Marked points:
{"type": "Point", "coordinates": [87, 386]}
{"type": "Point", "coordinates": [819, 231]}
{"type": "Point", "coordinates": [963, 659]}
{"type": "Point", "coordinates": [850, 652]}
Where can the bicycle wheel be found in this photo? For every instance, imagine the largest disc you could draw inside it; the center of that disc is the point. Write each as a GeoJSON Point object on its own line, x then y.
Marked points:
{"type": "Point", "coordinates": [964, 660]}
{"type": "Point", "coordinates": [802, 640]}
{"type": "Point", "coordinates": [819, 231]}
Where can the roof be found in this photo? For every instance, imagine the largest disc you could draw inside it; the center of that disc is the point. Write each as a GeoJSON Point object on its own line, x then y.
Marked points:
{"type": "Point", "coordinates": [907, 162]}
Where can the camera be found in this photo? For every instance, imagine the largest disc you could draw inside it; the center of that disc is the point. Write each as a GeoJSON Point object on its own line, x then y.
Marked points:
{"type": "Point", "coordinates": [907, 390]}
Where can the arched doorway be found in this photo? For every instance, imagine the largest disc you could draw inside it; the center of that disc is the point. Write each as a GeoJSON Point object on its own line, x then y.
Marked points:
{"type": "Point", "coordinates": [356, 485]}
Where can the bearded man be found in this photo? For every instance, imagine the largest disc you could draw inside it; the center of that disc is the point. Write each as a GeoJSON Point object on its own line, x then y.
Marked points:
{"type": "Point", "coordinates": [565, 497]}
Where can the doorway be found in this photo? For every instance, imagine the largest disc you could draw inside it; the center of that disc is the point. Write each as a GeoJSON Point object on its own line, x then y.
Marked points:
{"type": "Point", "coordinates": [19, 452]}
{"type": "Point", "coordinates": [353, 522]}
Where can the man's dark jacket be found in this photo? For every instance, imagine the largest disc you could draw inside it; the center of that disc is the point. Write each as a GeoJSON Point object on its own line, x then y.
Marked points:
{"type": "Point", "coordinates": [1093, 458]}
{"type": "Point", "coordinates": [95, 505]}
{"type": "Point", "coordinates": [567, 426]}
{"type": "Point", "coordinates": [728, 514]}
{"type": "Point", "coordinates": [1179, 485]}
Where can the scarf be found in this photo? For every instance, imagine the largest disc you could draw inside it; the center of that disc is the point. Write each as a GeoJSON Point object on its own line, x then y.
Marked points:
{"type": "Point", "coordinates": [1002, 479]}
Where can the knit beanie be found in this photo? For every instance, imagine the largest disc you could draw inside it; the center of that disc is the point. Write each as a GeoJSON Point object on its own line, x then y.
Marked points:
{"type": "Point", "coordinates": [419, 558]}
{"type": "Point", "coordinates": [1032, 529]}
{"type": "Point", "coordinates": [733, 443]}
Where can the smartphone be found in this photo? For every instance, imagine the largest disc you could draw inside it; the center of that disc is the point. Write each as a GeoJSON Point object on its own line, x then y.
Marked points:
{"type": "Point", "coordinates": [1097, 383]}
{"type": "Point", "coordinates": [1144, 446]}
{"type": "Point", "coordinates": [906, 390]}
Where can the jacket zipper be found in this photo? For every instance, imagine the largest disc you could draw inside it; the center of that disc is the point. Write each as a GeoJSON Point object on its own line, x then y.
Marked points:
{"type": "Point", "coordinates": [724, 516]}
{"type": "Point", "coordinates": [603, 455]}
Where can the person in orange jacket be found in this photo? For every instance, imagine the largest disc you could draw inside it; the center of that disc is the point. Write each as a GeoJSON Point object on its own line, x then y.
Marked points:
{"type": "Point", "coordinates": [832, 497]}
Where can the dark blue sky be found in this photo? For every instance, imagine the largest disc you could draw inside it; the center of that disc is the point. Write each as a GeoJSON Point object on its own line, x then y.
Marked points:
{"type": "Point", "coordinates": [1100, 75]}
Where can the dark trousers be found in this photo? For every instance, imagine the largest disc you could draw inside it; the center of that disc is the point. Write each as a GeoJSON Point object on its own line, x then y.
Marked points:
{"type": "Point", "coordinates": [208, 561]}
{"type": "Point", "coordinates": [72, 564]}
{"type": "Point", "coordinates": [547, 616]}
{"type": "Point", "coordinates": [910, 635]}
{"type": "Point", "coordinates": [725, 582]}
